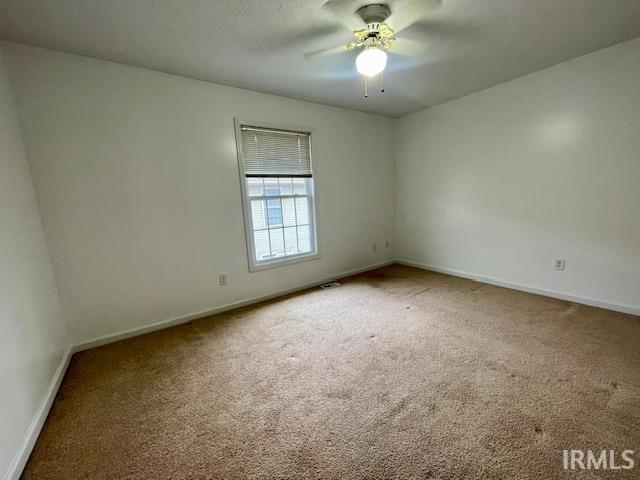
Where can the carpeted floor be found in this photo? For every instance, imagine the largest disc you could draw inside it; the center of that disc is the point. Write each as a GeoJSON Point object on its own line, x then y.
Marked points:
{"type": "Point", "coordinates": [400, 373]}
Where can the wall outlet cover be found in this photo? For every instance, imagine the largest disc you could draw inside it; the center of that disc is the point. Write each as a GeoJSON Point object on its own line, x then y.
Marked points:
{"type": "Point", "coordinates": [559, 264]}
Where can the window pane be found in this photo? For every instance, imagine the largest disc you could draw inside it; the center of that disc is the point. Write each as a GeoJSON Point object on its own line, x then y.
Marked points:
{"type": "Point", "coordinates": [271, 186]}
{"type": "Point", "coordinates": [286, 187]}
{"type": "Point", "coordinates": [275, 213]}
{"type": "Point", "coordinates": [302, 211]}
{"type": "Point", "coordinates": [261, 240]}
{"type": "Point", "coordinates": [277, 242]}
{"type": "Point", "coordinates": [299, 186]}
{"type": "Point", "coordinates": [281, 227]}
{"type": "Point", "coordinates": [257, 214]}
{"type": "Point", "coordinates": [288, 212]}
{"type": "Point", "coordinates": [254, 187]}
{"type": "Point", "coordinates": [304, 239]}
{"type": "Point", "coordinates": [290, 241]}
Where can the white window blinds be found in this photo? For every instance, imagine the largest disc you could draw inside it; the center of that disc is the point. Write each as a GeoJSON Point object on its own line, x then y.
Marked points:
{"type": "Point", "coordinates": [277, 153]}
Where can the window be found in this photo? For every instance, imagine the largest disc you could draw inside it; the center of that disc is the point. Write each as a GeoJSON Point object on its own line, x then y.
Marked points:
{"type": "Point", "coordinates": [277, 194]}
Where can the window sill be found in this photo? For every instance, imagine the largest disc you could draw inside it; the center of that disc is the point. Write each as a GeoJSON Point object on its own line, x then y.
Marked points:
{"type": "Point", "coordinates": [258, 267]}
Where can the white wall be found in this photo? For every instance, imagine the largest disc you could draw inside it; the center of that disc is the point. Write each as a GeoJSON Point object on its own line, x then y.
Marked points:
{"type": "Point", "coordinates": [137, 181]}
{"type": "Point", "coordinates": [501, 182]}
{"type": "Point", "coordinates": [33, 336]}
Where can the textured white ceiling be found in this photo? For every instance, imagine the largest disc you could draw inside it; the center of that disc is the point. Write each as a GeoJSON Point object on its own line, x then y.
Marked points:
{"type": "Point", "coordinates": [260, 44]}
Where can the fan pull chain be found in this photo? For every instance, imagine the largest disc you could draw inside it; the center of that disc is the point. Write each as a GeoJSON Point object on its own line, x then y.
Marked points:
{"type": "Point", "coordinates": [366, 84]}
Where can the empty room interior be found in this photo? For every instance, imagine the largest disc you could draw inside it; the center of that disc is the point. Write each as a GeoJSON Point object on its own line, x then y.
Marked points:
{"type": "Point", "coordinates": [311, 239]}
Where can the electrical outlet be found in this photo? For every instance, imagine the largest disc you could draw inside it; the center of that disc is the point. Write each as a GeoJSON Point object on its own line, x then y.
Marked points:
{"type": "Point", "coordinates": [559, 264]}
{"type": "Point", "coordinates": [374, 247]}
{"type": "Point", "coordinates": [223, 279]}
{"type": "Point", "coordinates": [386, 244]}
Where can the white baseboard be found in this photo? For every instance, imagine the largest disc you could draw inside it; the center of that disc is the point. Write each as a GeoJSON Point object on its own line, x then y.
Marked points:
{"type": "Point", "coordinates": [526, 288]}
{"type": "Point", "coordinates": [28, 442]}
{"type": "Point", "coordinates": [134, 332]}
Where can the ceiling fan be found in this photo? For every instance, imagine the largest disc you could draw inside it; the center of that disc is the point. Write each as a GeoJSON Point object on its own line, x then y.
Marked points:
{"type": "Point", "coordinates": [377, 36]}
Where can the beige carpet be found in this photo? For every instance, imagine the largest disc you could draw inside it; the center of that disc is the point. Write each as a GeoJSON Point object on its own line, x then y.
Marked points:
{"type": "Point", "coordinates": [400, 374]}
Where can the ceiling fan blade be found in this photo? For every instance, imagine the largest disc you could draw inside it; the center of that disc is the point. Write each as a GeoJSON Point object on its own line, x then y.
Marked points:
{"type": "Point", "coordinates": [325, 52]}
{"type": "Point", "coordinates": [305, 39]}
{"type": "Point", "coordinates": [406, 13]}
{"type": "Point", "coordinates": [345, 12]}
{"type": "Point", "coordinates": [408, 47]}
{"type": "Point", "coordinates": [440, 29]}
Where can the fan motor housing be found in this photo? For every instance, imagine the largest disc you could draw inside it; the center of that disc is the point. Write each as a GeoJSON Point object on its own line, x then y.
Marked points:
{"type": "Point", "coordinates": [374, 13]}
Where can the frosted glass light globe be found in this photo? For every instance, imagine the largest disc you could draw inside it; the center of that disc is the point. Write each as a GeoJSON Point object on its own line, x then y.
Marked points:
{"type": "Point", "coordinates": [371, 61]}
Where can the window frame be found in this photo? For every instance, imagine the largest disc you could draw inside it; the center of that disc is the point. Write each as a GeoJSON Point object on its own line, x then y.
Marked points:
{"type": "Point", "coordinates": [254, 264]}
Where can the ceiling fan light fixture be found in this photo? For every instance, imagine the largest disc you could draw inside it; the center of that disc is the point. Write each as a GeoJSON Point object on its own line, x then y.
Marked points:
{"type": "Point", "coordinates": [371, 61]}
